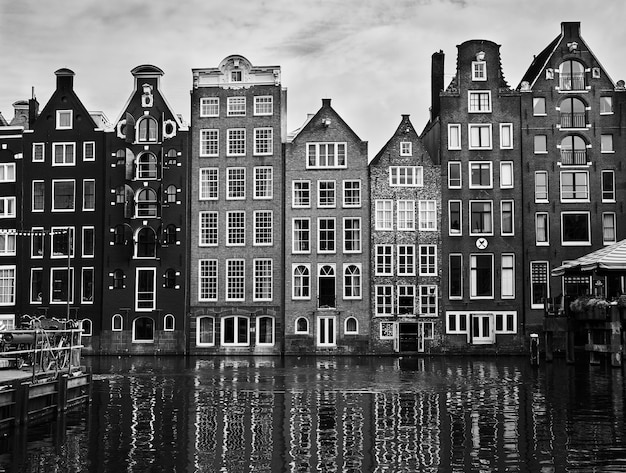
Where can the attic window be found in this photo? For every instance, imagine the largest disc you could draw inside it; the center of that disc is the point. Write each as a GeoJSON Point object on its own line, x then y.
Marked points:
{"type": "Point", "coordinates": [235, 76]}
{"type": "Point", "coordinates": [479, 70]}
{"type": "Point", "coordinates": [64, 119]}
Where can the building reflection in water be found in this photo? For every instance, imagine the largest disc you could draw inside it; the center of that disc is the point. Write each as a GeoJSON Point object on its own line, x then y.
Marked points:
{"type": "Point", "coordinates": [334, 415]}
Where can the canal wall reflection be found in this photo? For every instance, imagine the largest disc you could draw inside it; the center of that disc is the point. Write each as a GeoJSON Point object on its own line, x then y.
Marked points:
{"type": "Point", "coordinates": [342, 414]}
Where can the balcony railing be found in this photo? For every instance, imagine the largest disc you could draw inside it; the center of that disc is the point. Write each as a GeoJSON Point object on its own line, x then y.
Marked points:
{"type": "Point", "coordinates": [573, 120]}
{"type": "Point", "coordinates": [573, 157]}
{"type": "Point", "coordinates": [572, 81]}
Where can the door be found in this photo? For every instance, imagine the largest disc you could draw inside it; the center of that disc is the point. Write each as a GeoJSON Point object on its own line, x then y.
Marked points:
{"type": "Point", "coordinates": [420, 337]}
{"type": "Point", "coordinates": [408, 337]}
{"type": "Point", "coordinates": [326, 331]}
{"type": "Point", "coordinates": [326, 287]}
{"type": "Point", "coordinates": [483, 329]}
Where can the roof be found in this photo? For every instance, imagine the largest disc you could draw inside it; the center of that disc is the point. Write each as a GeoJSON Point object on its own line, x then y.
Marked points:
{"type": "Point", "coordinates": [609, 258]}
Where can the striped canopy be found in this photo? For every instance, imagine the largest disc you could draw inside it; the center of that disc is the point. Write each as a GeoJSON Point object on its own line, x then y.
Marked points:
{"type": "Point", "coordinates": [609, 258]}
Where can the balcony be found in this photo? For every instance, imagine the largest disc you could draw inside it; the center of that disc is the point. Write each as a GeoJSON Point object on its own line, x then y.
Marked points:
{"type": "Point", "coordinates": [572, 81]}
{"type": "Point", "coordinates": [573, 157]}
{"type": "Point", "coordinates": [573, 120]}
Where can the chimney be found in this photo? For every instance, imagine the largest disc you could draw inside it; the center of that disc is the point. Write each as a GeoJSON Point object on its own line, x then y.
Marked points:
{"type": "Point", "coordinates": [325, 102]}
{"type": "Point", "coordinates": [436, 83]}
{"type": "Point", "coordinates": [570, 29]}
{"type": "Point", "coordinates": [65, 79]}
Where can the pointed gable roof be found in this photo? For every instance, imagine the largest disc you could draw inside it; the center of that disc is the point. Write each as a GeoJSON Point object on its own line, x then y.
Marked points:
{"type": "Point", "coordinates": [325, 112]}
{"type": "Point", "coordinates": [405, 127]}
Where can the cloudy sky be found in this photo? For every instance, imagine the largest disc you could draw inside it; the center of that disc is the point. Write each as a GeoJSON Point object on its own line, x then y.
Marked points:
{"type": "Point", "coordinates": [371, 57]}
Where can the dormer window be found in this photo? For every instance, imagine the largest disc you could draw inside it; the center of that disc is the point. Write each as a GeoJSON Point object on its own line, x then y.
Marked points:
{"type": "Point", "coordinates": [479, 67]}
{"type": "Point", "coordinates": [147, 129]}
{"type": "Point", "coordinates": [64, 119]}
{"type": "Point", "coordinates": [571, 76]}
{"type": "Point", "coordinates": [235, 76]}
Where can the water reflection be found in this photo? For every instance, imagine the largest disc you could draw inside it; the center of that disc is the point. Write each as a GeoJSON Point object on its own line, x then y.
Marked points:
{"type": "Point", "coordinates": [334, 415]}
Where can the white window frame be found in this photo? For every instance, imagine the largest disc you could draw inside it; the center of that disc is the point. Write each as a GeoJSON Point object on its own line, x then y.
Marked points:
{"type": "Point", "coordinates": [237, 342]}
{"type": "Point", "coordinates": [506, 136]}
{"type": "Point", "coordinates": [209, 183]}
{"type": "Point", "coordinates": [236, 235]}
{"type": "Point", "coordinates": [454, 136]}
{"type": "Point", "coordinates": [358, 288]}
{"type": "Point", "coordinates": [263, 234]}
{"type": "Point", "coordinates": [405, 260]}
{"type": "Point", "coordinates": [546, 265]}
{"type": "Point", "coordinates": [385, 253]}
{"type": "Point", "coordinates": [235, 142]}
{"type": "Point", "coordinates": [262, 101]}
{"type": "Point", "coordinates": [234, 281]}
{"type": "Point", "coordinates": [36, 298]}
{"type": "Point", "coordinates": [451, 231]}
{"type": "Point", "coordinates": [69, 159]}
{"type": "Point", "coordinates": [459, 166]}
{"type": "Point", "coordinates": [329, 187]}
{"type": "Point", "coordinates": [428, 253]}
{"type": "Point", "coordinates": [7, 172]}
{"type": "Point", "coordinates": [297, 233]}
{"type": "Point", "coordinates": [8, 283]}
{"type": "Point", "coordinates": [546, 217]}
{"type": "Point", "coordinates": [8, 242]}
{"type": "Point", "coordinates": [585, 197]}
{"type": "Point", "coordinates": [608, 100]}
{"type": "Point", "coordinates": [480, 164]}
{"type": "Point", "coordinates": [85, 208]}
{"type": "Point", "coordinates": [209, 143]}
{"type": "Point", "coordinates": [489, 138]}
{"type": "Point", "coordinates": [427, 293]}
{"type": "Point", "coordinates": [473, 277]}
{"type": "Point", "coordinates": [608, 195]}
{"type": "Point", "coordinates": [319, 234]}
{"type": "Point", "coordinates": [59, 116]}
{"type": "Point", "coordinates": [352, 193]}
{"type": "Point", "coordinates": [536, 101]}
{"type": "Point", "coordinates": [263, 278]}
{"type": "Point", "coordinates": [258, 331]}
{"type": "Point", "coordinates": [383, 331]}
{"type": "Point", "coordinates": [345, 326]}
{"type": "Point", "coordinates": [384, 207]}
{"type": "Point", "coordinates": [460, 320]}
{"type": "Point", "coordinates": [84, 246]}
{"type": "Point", "coordinates": [611, 216]}
{"type": "Point", "coordinates": [504, 316]}
{"type": "Point", "coordinates": [406, 148]}
{"type": "Point", "coordinates": [208, 228]}
{"type": "Point", "coordinates": [295, 192]}
{"type": "Point", "coordinates": [507, 285]}
{"type": "Point", "coordinates": [577, 243]}
{"type": "Point", "coordinates": [71, 243]}
{"type": "Point", "coordinates": [209, 106]}
{"type": "Point", "coordinates": [263, 183]}
{"type": "Point", "coordinates": [507, 178]}
{"type": "Point", "coordinates": [607, 144]}
{"type": "Point", "coordinates": [326, 327]}
{"type": "Point", "coordinates": [512, 232]}
{"type": "Point", "coordinates": [545, 175]}
{"type": "Point", "coordinates": [208, 280]}
{"type": "Point", "coordinates": [70, 286]}
{"type": "Point", "coordinates": [236, 106]}
{"type": "Point", "coordinates": [295, 297]}
{"type": "Point", "coordinates": [471, 107]}
{"type": "Point", "coordinates": [427, 215]}
{"type": "Point", "coordinates": [8, 207]}
{"type": "Point", "coordinates": [406, 176]}
{"type": "Point", "coordinates": [461, 275]}
{"type": "Point", "coordinates": [263, 141]}
{"type": "Point", "coordinates": [236, 183]}
{"type": "Point", "coordinates": [353, 234]}
{"type": "Point", "coordinates": [297, 330]}
{"type": "Point", "coordinates": [479, 71]}
{"type": "Point", "coordinates": [153, 305]}
{"type": "Point", "coordinates": [314, 155]}
{"type": "Point", "coordinates": [384, 291]}
{"type": "Point", "coordinates": [405, 215]}
{"type": "Point", "coordinates": [36, 148]}
{"type": "Point", "coordinates": [84, 270]}
{"type": "Point", "coordinates": [474, 232]}
{"type": "Point", "coordinates": [89, 156]}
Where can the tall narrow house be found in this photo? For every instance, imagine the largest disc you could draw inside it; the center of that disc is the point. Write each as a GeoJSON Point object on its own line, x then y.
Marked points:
{"type": "Point", "coordinates": [236, 243]}
{"type": "Point", "coordinates": [405, 276]}
{"type": "Point", "coordinates": [60, 241]}
{"type": "Point", "coordinates": [327, 234]}
{"type": "Point", "coordinates": [574, 190]}
{"type": "Point", "coordinates": [475, 129]}
{"type": "Point", "coordinates": [145, 239]}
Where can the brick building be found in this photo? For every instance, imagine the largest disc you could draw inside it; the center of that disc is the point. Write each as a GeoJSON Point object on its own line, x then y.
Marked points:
{"type": "Point", "coordinates": [327, 309]}
{"type": "Point", "coordinates": [405, 189]}
{"type": "Point", "coordinates": [236, 242]}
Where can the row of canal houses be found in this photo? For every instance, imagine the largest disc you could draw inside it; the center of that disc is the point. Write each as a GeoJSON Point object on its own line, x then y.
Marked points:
{"type": "Point", "coordinates": [232, 236]}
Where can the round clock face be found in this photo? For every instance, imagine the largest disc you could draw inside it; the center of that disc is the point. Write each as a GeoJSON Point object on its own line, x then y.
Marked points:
{"type": "Point", "coordinates": [481, 243]}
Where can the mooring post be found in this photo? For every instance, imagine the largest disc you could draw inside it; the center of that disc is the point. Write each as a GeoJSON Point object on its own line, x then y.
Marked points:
{"type": "Point", "coordinates": [616, 337]}
{"type": "Point", "coordinates": [21, 400]}
{"type": "Point", "coordinates": [534, 349]}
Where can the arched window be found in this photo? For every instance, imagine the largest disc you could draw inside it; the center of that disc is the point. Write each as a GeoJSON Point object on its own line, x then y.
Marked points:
{"type": "Point", "coordinates": [573, 113]}
{"type": "Point", "coordinates": [170, 278]}
{"type": "Point", "coordinates": [86, 325]}
{"type": "Point", "coordinates": [351, 326]}
{"type": "Point", "coordinates": [146, 203]}
{"type": "Point", "coordinates": [235, 331]}
{"type": "Point", "coordinates": [146, 243]}
{"type": "Point", "coordinates": [118, 279]}
{"type": "Point", "coordinates": [572, 75]}
{"type": "Point", "coordinates": [205, 331]}
{"type": "Point", "coordinates": [170, 235]}
{"type": "Point", "coordinates": [302, 325]}
{"type": "Point", "coordinates": [168, 323]}
{"type": "Point", "coordinates": [119, 235]}
{"type": "Point", "coordinates": [117, 323]}
{"type": "Point", "coordinates": [147, 129]}
{"type": "Point", "coordinates": [301, 282]}
{"type": "Point", "coordinates": [120, 157]}
{"type": "Point", "coordinates": [171, 157]}
{"type": "Point", "coordinates": [147, 166]}
{"type": "Point", "coordinates": [265, 331]}
{"type": "Point", "coordinates": [573, 150]}
{"type": "Point", "coordinates": [171, 194]}
{"type": "Point", "coordinates": [143, 330]}
{"type": "Point", "coordinates": [352, 282]}
{"type": "Point", "coordinates": [120, 194]}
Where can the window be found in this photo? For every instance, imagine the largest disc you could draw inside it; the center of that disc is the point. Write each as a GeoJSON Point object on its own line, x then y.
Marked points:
{"type": "Point", "coordinates": [205, 331]}
{"type": "Point", "coordinates": [455, 276]}
{"type": "Point", "coordinates": [351, 235]}
{"type": "Point", "coordinates": [170, 194]}
{"type": "Point", "coordinates": [538, 283]}
{"type": "Point", "coordinates": [507, 273]}
{"type": "Point", "coordinates": [263, 228]}
{"type": "Point", "coordinates": [235, 331]}
{"type": "Point", "coordinates": [87, 328]}
{"type": "Point", "coordinates": [86, 286]}
{"type": "Point", "coordinates": [36, 285]}
{"type": "Point", "coordinates": [428, 300]}
{"type": "Point", "coordinates": [542, 229]}
{"type": "Point", "coordinates": [169, 235]}
{"type": "Point", "coordinates": [263, 141]}
{"type": "Point", "coordinates": [480, 175]}
{"type": "Point", "coordinates": [571, 75]}
{"type": "Point", "coordinates": [387, 331]}
{"type": "Point", "coordinates": [7, 207]}
{"type": "Point", "coordinates": [506, 175]}
{"type": "Point", "coordinates": [384, 214]}
{"type": "Point", "coordinates": [209, 142]}
{"type": "Point", "coordinates": [7, 242]}
{"type": "Point", "coordinates": [406, 148]}
{"type": "Point", "coordinates": [454, 217]}
{"type": "Point", "coordinates": [117, 323]}
{"type": "Point", "coordinates": [236, 76]}
{"type": "Point", "coordinates": [454, 175]}
{"type": "Point", "coordinates": [479, 101]}
{"type": "Point", "coordinates": [406, 300]}
{"type": "Point", "coordinates": [351, 326]}
{"type": "Point", "coordinates": [146, 129]}
{"type": "Point", "coordinates": [62, 242]}
{"type": "Point", "coordinates": [236, 142]}
{"type": "Point", "coordinates": [326, 235]}
{"type": "Point", "coordinates": [606, 144]}
{"type": "Point", "coordinates": [541, 186]}
{"type": "Point", "coordinates": [38, 152]}
{"type": "Point", "coordinates": [575, 229]}
{"type": "Point", "coordinates": [263, 182]}
{"type": "Point", "coordinates": [236, 106]}
{"type": "Point", "coordinates": [209, 107]}
{"type": "Point", "coordinates": [62, 284]}
{"type": "Point", "coordinates": [301, 194]}
{"type": "Point", "coordinates": [573, 113]}
{"type": "Point", "coordinates": [479, 70]}
{"type": "Point", "coordinates": [384, 300]}
{"type": "Point", "coordinates": [301, 282]}
{"type": "Point", "coordinates": [88, 243]}
{"type": "Point", "coordinates": [301, 235]}
{"type": "Point", "coordinates": [207, 280]}
{"type": "Point", "coordinates": [481, 276]}
{"type": "Point", "coordinates": [428, 215]}
{"type": "Point", "coordinates": [574, 186]}
{"type": "Point", "coordinates": [608, 228]}
{"type": "Point", "coordinates": [208, 228]}
{"type": "Point", "coordinates": [506, 136]}
{"type": "Point", "coordinates": [406, 176]}
{"type": "Point", "coordinates": [235, 183]}
{"type": "Point", "coordinates": [146, 204]}
{"type": "Point", "coordinates": [143, 330]}
{"type": "Point", "coordinates": [428, 260]}
{"type": "Point", "coordinates": [64, 154]}
{"type": "Point", "coordinates": [540, 144]}
{"type": "Point", "coordinates": [302, 325]}
{"type": "Point", "coordinates": [264, 105]}
{"type": "Point", "coordinates": [606, 105]}
{"type": "Point", "coordinates": [481, 217]}
{"type": "Point", "coordinates": [506, 323]}
{"type": "Point", "coordinates": [539, 106]}
{"type": "Point", "coordinates": [235, 280]}
{"type": "Point", "coordinates": [235, 228]}
{"type": "Point", "coordinates": [169, 323]}
{"type": "Point", "coordinates": [147, 166]}
{"type": "Point", "coordinates": [573, 151]}
{"type": "Point", "coordinates": [146, 243]}
{"type": "Point", "coordinates": [454, 136]}
{"type": "Point", "coordinates": [456, 323]}
{"type": "Point", "coordinates": [326, 155]}
{"type": "Point", "coordinates": [37, 242]}
{"type": "Point", "coordinates": [352, 281]}
{"type": "Point", "coordinates": [7, 285]}
{"type": "Point", "coordinates": [352, 193]}
{"type": "Point", "coordinates": [406, 215]}
{"type": "Point", "coordinates": [89, 151]}
{"type": "Point", "coordinates": [406, 260]}
{"type": "Point", "coordinates": [326, 194]}
{"type": "Point", "coordinates": [64, 119]}
{"type": "Point", "coordinates": [89, 194]}
{"type": "Point", "coordinates": [507, 218]}
{"type": "Point", "coordinates": [326, 331]}
{"type": "Point", "coordinates": [479, 136]}
{"type": "Point", "coordinates": [7, 172]}
{"type": "Point", "coordinates": [209, 183]}
{"type": "Point", "coordinates": [608, 186]}
{"type": "Point", "coordinates": [265, 331]}
{"type": "Point", "coordinates": [384, 260]}
{"type": "Point", "coordinates": [263, 279]}
{"type": "Point", "coordinates": [118, 279]}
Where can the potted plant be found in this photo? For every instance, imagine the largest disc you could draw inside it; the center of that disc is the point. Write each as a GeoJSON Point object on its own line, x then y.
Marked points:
{"type": "Point", "coordinates": [579, 305]}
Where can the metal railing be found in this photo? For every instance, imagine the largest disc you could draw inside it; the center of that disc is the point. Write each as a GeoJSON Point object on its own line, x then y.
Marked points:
{"type": "Point", "coordinates": [573, 157]}
{"type": "Point", "coordinates": [572, 81]}
{"type": "Point", "coordinates": [573, 120]}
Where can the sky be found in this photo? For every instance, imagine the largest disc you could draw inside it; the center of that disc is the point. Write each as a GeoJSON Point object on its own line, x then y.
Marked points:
{"type": "Point", "coordinates": [371, 57]}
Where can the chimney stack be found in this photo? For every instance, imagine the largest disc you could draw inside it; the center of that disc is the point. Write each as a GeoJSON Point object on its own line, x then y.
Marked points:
{"type": "Point", "coordinates": [436, 83]}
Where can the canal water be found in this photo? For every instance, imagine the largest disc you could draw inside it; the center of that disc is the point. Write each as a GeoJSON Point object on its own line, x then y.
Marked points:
{"type": "Point", "coordinates": [344, 414]}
